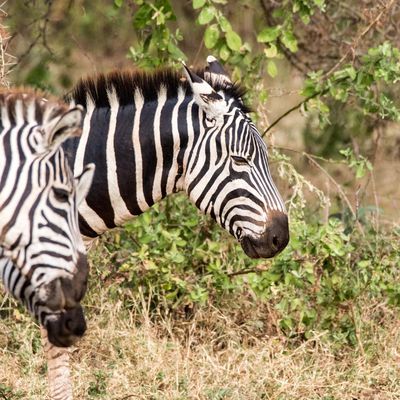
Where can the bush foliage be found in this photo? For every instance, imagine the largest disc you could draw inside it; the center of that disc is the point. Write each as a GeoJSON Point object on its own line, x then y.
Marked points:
{"type": "Point", "coordinates": [339, 257]}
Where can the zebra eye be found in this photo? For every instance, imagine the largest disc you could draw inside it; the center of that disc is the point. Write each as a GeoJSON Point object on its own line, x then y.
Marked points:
{"type": "Point", "coordinates": [61, 194]}
{"type": "Point", "coordinates": [240, 160]}
{"type": "Point", "coordinates": [210, 121]}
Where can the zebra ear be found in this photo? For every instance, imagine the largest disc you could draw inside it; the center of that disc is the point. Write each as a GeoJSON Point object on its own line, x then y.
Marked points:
{"type": "Point", "coordinates": [61, 128]}
{"type": "Point", "coordinates": [215, 72]}
{"type": "Point", "coordinates": [83, 182]}
{"type": "Point", "coordinates": [205, 96]}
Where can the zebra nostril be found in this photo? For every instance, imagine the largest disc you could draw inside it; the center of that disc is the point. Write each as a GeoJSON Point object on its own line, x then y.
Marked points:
{"type": "Point", "coordinates": [74, 322]}
{"type": "Point", "coordinates": [275, 241]}
{"type": "Point", "coordinates": [69, 325]}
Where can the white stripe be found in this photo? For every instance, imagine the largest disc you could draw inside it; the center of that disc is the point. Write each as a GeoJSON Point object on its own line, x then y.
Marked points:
{"type": "Point", "coordinates": [121, 212]}
{"type": "Point", "coordinates": [91, 217]}
{"type": "Point", "coordinates": [190, 133]}
{"type": "Point", "coordinates": [162, 98]}
{"type": "Point", "coordinates": [176, 141]}
{"type": "Point", "coordinates": [141, 201]}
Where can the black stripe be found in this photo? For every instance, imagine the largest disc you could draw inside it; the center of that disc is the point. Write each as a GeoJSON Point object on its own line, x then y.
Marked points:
{"type": "Point", "coordinates": [210, 182]}
{"type": "Point", "coordinates": [166, 141]}
{"type": "Point", "coordinates": [70, 146]}
{"type": "Point", "coordinates": [96, 151]}
{"type": "Point", "coordinates": [7, 151]}
{"type": "Point", "coordinates": [51, 254]}
{"type": "Point", "coordinates": [50, 242]}
{"type": "Point", "coordinates": [125, 157]}
{"type": "Point", "coordinates": [85, 228]}
{"type": "Point", "coordinates": [148, 149]}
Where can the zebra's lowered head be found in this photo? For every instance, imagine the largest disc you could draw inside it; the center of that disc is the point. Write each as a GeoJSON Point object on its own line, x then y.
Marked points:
{"type": "Point", "coordinates": [227, 175]}
{"type": "Point", "coordinates": [39, 196]}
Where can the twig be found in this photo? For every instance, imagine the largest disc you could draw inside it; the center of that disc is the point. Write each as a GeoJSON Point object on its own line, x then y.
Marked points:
{"type": "Point", "coordinates": [297, 106]}
{"type": "Point", "coordinates": [334, 68]}
{"type": "Point", "coordinates": [247, 271]}
{"type": "Point", "coordinates": [357, 330]}
{"type": "Point", "coordinates": [42, 35]}
{"type": "Point", "coordinates": [331, 179]}
{"type": "Point", "coordinates": [5, 58]}
{"type": "Point", "coordinates": [355, 43]}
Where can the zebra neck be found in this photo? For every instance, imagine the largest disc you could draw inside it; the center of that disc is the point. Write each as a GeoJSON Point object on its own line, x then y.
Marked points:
{"type": "Point", "coordinates": [140, 150]}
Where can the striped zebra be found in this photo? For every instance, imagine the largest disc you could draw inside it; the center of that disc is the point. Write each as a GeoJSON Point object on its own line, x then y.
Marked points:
{"type": "Point", "coordinates": [42, 250]}
{"type": "Point", "coordinates": [153, 134]}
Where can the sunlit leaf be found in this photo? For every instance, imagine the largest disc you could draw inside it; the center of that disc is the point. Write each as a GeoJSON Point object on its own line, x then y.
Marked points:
{"type": "Point", "coordinates": [198, 3]}
{"type": "Point", "coordinates": [233, 40]}
{"type": "Point", "coordinates": [272, 69]}
{"type": "Point", "coordinates": [268, 34]}
{"type": "Point", "coordinates": [211, 36]}
{"type": "Point", "coordinates": [206, 15]}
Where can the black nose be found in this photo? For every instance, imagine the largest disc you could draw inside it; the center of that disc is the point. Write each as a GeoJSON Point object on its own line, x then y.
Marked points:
{"type": "Point", "coordinates": [64, 330]}
{"type": "Point", "coordinates": [278, 231]}
{"type": "Point", "coordinates": [74, 322]}
{"type": "Point", "coordinates": [274, 239]}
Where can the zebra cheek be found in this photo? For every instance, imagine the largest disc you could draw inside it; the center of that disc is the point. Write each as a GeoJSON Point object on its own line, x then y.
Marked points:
{"type": "Point", "coordinates": [74, 288]}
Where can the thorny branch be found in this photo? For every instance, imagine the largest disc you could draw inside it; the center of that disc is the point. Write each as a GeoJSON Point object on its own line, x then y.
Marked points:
{"type": "Point", "coordinates": [6, 60]}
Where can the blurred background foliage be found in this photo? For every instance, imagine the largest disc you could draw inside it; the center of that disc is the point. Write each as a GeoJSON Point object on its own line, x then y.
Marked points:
{"type": "Point", "coordinates": [323, 80]}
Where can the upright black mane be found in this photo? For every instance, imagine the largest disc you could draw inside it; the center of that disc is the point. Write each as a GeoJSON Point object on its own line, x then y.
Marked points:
{"type": "Point", "coordinates": [126, 82]}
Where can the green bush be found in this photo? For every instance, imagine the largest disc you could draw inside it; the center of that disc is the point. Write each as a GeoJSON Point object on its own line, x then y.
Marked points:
{"type": "Point", "coordinates": [178, 260]}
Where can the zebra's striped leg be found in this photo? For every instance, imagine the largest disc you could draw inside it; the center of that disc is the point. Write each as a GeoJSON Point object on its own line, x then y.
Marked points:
{"type": "Point", "coordinates": [58, 373]}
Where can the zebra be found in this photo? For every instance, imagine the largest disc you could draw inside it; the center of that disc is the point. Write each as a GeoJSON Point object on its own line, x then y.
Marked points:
{"type": "Point", "coordinates": [41, 248]}
{"type": "Point", "coordinates": [154, 134]}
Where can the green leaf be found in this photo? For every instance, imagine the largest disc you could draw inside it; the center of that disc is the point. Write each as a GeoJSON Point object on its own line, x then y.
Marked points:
{"type": "Point", "coordinates": [360, 171]}
{"type": "Point", "coordinates": [198, 3]}
{"type": "Point", "coordinates": [271, 69]}
{"type": "Point", "coordinates": [268, 34]}
{"type": "Point", "coordinates": [224, 52]}
{"type": "Point", "coordinates": [224, 24]}
{"type": "Point", "coordinates": [142, 16]}
{"type": "Point", "coordinates": [233, 40]}
{"type": "Point", "coordinates": [211, 36]}
{"type": "Point", "coordinates": [206, 15]}
{"type": "Point", "coordinates": [290, 41]}
{"type": "Point", "coordinates": [175, 52]}
{"type": "Point", "coordinates": [118, 3]}
{"type": "Point", "coordinates": [319, 3]}
{"type": "Point", "coordinates": [351, 72]}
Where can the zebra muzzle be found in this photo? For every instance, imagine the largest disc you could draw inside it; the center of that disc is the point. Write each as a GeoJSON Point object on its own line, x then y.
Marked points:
{"type": "Point", "coordinates": [66, 328]}
{"type": "Point", "coordinates": [272, 241]}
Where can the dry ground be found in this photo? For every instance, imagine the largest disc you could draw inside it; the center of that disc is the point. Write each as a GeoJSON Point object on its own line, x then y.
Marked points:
{"type": "Point", "coordinates": [125, 356]}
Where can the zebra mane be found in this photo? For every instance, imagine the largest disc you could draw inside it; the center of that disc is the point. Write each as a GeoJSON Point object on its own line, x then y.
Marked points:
{"type": "Point", "coordinates": [45, 107]}
{"type": "Point", "coordinates": [126, 82]}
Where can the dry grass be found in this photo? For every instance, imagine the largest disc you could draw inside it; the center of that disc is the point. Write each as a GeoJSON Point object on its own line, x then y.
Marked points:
{"type": "Point", "coordinates": [125, 356]}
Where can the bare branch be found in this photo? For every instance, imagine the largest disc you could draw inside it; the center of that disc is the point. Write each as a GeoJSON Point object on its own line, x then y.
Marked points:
{"type": "Point", "coordinates": [357, 40]}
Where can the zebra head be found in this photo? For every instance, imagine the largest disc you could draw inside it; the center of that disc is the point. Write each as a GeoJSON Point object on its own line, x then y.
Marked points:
{"type": "Point", "coordinates": [39, 197]}
{"type": "Point", "coordinates": [227, 174]}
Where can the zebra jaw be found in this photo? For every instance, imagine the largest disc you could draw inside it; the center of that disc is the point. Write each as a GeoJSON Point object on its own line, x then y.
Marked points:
{"type": "Point", "coordinates": [65, 327]}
